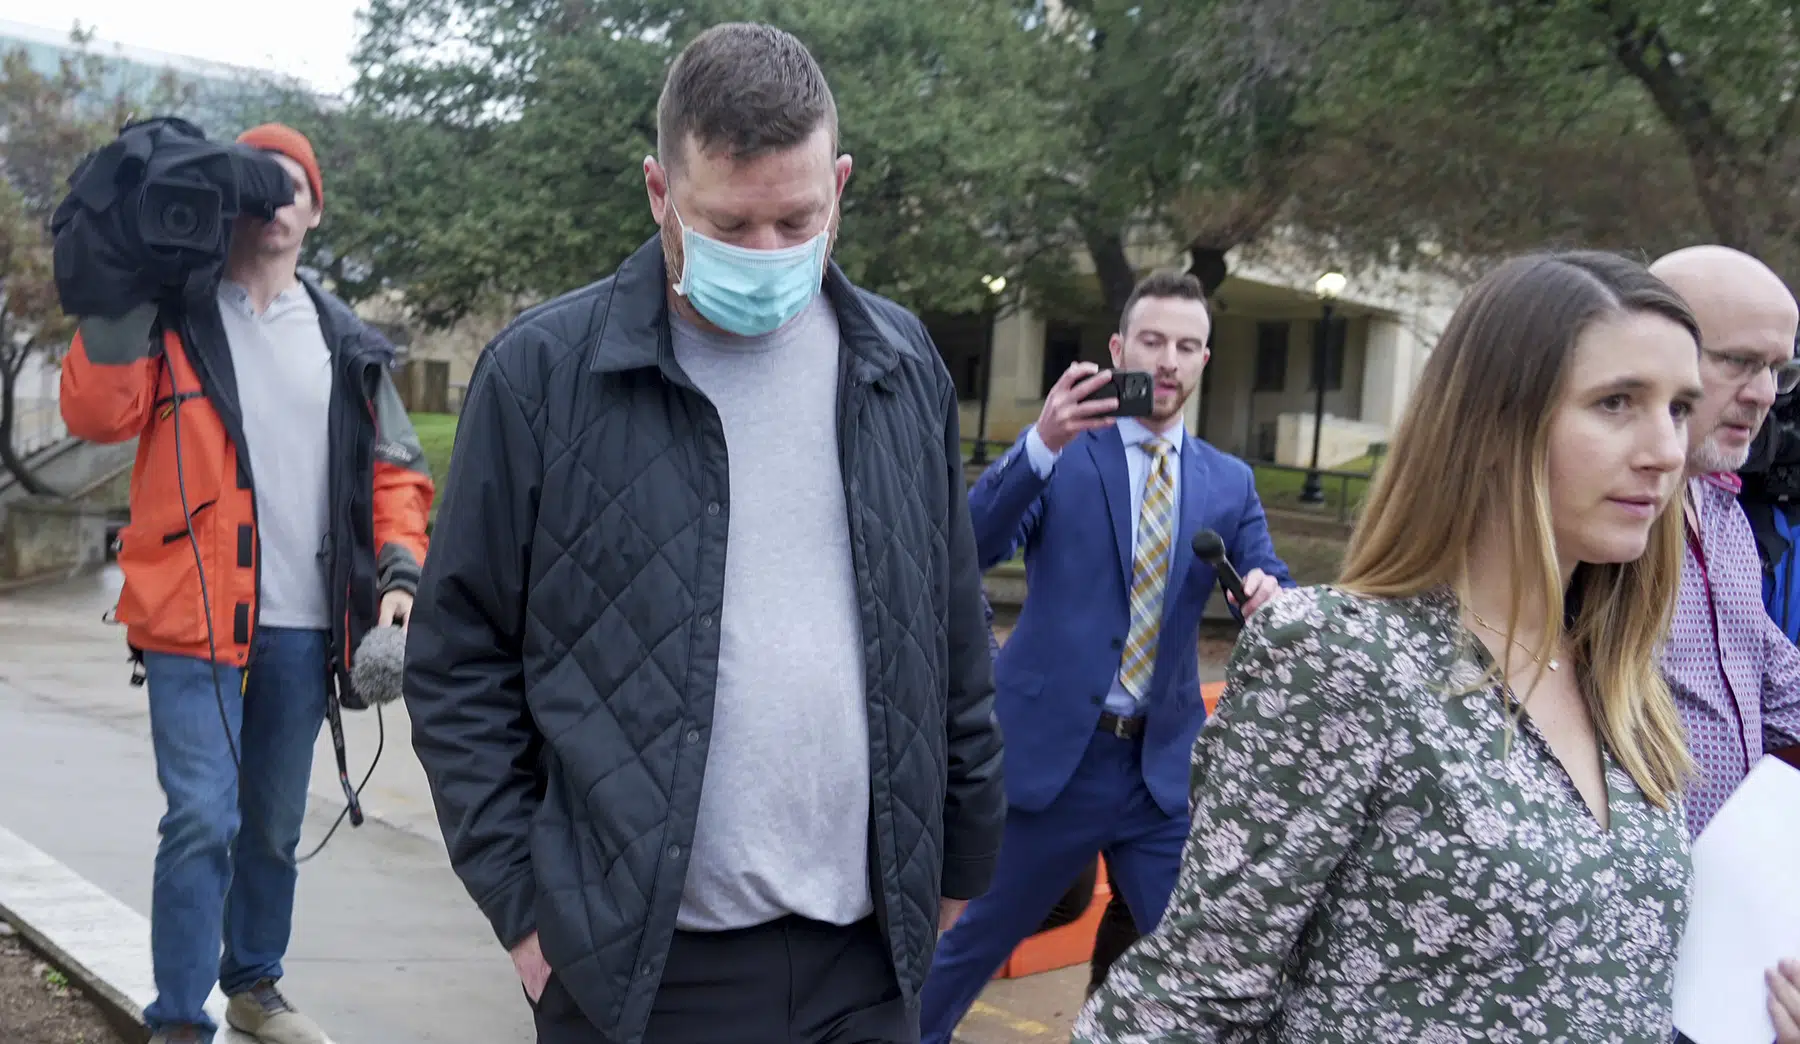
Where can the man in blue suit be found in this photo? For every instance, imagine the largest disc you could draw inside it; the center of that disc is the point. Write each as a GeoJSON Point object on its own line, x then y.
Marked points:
{"type": "Point", "coordinates": [1098, 687]}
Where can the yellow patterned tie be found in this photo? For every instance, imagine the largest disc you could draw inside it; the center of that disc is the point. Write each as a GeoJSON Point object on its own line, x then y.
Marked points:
{"type": "Point", "coordinates": [1150, 569]}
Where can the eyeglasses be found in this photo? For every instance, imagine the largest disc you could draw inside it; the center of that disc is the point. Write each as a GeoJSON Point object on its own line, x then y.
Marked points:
{"type": "Point", "coordinates": [1746, 368]}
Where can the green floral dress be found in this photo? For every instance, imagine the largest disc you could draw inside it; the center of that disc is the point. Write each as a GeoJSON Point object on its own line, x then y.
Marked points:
{"type": "Point", "coordinates": [1371, 860]}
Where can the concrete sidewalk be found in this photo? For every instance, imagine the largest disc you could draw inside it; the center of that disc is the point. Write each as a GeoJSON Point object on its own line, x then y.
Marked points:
{"type": "Point", "coordinates": [54, 644]}
{"type": "Point", "coordinates": [388, 948]}
{"type": "Point", "coordinates": [387, 945]}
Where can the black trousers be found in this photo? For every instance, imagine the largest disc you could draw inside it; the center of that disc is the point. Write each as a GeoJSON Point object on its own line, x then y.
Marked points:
{"type": "Point", "coordinates": [791, 981]}
{"type": "Point", "coordinates": [1117, 931]}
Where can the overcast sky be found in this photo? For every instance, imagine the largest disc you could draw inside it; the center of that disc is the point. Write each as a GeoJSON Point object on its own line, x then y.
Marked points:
{"type": "Point", "coordinates": [311, 40]}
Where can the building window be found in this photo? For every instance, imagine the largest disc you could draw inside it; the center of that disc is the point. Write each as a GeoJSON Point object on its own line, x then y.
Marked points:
{"type": "Point", "coordinates": [1062, 349]}
{"type": "Point", "coordinates": [962, 339]}
{"type": "Point", "coordinates": [1337, 340]}
{"type": "Point", "coordinates": [1271, 357]}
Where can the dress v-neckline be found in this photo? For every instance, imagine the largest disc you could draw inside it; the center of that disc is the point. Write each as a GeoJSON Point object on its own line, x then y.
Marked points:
{"type": "Point", "coordinates": [1513, 709]}
{"type": "Point", "coordinates": [1567, 778]}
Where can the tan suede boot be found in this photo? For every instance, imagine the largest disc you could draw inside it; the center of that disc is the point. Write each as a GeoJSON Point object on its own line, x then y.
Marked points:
{"type": "Point", "coordinates": [265, 1014]}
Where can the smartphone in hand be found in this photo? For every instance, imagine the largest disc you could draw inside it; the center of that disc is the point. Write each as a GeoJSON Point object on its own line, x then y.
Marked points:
{"type": "Point", "coordinates": [1135, 390]}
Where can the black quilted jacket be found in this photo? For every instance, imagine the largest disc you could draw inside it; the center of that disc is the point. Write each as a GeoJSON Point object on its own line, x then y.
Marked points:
{"type": "Point", "coordinates": [563, 650]}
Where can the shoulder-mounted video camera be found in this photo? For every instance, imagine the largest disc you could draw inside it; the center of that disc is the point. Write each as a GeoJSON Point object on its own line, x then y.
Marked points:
{"type": "Point", "coordinates": [1772, 472]}
{"type": "Point", "coordinates": [148, 217]}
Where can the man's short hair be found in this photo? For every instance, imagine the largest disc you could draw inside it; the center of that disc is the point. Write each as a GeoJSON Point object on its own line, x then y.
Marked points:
{"type": "Point", "coordinates": [1166, 283]}
{"type": "Point", "coordinates": [745, 89]}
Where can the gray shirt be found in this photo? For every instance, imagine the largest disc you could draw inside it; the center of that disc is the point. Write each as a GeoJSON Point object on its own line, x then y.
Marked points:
{"type": "Point", "coordinates": [284, 388]}
{"type": "Point", "coordinates": [784, 810]}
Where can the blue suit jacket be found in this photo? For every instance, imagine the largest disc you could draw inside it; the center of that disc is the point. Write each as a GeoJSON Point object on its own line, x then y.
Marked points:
{"type": "Point", "coordinates": [1054, 672]}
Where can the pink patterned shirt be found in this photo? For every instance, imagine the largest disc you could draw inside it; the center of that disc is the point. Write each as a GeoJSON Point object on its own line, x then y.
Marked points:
{"type": "Point", "coordinates": [1736, 677]}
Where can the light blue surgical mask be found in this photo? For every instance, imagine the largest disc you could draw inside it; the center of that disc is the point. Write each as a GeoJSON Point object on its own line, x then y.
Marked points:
{"type": "Point", "coordinates": [749, 292]}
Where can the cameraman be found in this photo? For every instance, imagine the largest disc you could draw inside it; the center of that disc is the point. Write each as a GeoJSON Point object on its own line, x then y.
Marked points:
{"type": "Point", "coordinates": [1771, 499]}
{"type": "Point", "coordinates": [279, 490]}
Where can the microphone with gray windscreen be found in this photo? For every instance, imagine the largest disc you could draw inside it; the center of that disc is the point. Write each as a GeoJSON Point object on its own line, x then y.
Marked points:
{"type": "Point", "coordinates": [379, 667]}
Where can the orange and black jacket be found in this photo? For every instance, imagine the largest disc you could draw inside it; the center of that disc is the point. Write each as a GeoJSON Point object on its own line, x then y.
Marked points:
{"type": "Point", "coordinates": [127, 378]}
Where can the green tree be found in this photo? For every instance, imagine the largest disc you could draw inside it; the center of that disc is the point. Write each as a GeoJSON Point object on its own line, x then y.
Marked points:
{"type": "Point", "coordinates": [1488, 126]}
{"type": "Point", "coordinates": [25, 318]}
{"type": "Point", "coordinates": [1721, 79]}
{"type": "Point", "coordinates": [50, 119]}
{"type": "Point", "coordinates": [1185, 133]}
{"type": "Point", "coordinates": [48, 122]}
{"type": "Point", "coordinates": [496, 148]}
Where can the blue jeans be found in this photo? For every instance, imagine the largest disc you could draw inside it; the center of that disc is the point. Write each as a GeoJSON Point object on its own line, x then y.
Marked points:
{"type": "Point", "coordinates": [225, 867]}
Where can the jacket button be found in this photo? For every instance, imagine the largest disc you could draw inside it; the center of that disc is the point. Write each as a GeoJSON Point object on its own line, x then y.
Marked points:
{"type": "Point", "coordinates": [1118, 643]}
{"type": "Point", "coordinates": [712, 508]}
{"type": "Point", "coordinates": [706, 621]}
{"type": "Point", "coordinates": [693, 736]}
{"type": "Point", "coordinates": [674, 851]}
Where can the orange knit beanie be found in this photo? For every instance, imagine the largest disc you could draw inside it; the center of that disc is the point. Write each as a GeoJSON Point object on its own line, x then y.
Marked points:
{"type": "Point", "coordinates": [275, 137]}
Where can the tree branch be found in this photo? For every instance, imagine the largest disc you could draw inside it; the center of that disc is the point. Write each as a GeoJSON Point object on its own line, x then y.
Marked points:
{"type": "Point", "coordinates": [1680, 96]}
{"type": "Point", "coordinates": [1784, 125]}
{"type": "Point", "coordinates": [1112, 266]}
{"type": "Point", "coordinates": [1713, 152]}
{"type": "Point", "coordinates": [9, 454]}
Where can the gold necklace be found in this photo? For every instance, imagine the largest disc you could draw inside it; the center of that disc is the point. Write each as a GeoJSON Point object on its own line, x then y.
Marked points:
{"type": "Point", "coordinates": [1553, 664]}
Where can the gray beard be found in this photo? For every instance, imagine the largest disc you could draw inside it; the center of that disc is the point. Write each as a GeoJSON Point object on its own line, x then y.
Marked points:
{"type": "Point", "coordinates": [1709, 458]}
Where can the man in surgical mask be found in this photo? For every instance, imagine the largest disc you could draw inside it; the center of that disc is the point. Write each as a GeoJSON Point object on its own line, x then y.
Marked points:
{"type": "Point", "coordinates": [698, 668]}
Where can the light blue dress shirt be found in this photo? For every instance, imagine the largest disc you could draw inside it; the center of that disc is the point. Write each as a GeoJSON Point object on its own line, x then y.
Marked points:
{"type": "Point", "coordinates": [1137, 463]}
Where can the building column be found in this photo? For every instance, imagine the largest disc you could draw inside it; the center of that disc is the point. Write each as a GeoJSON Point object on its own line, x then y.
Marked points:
{"type": "Point", "coordinates": [1018, 372]}
{"type": "Point", "coordinates": [1389, 357]}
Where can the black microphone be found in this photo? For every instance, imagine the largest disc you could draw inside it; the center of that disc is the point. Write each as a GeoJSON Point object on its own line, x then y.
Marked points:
{"type": "Point", "coordinates": [1210, 546]}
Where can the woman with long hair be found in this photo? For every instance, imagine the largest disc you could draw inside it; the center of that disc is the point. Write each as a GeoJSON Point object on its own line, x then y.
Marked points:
{"type": "Point", "coordinates": [1440, 801]}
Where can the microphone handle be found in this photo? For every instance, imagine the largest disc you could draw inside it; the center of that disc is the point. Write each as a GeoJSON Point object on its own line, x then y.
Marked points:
{"type": "Point", "coordinates": [1232, 582]}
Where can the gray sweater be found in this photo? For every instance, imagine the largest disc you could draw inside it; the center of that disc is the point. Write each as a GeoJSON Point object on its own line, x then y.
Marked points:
{"type": "Point", "coordinates": [784, 810]}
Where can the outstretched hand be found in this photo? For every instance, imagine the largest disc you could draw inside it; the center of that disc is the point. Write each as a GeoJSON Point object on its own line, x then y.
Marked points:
{"type": "Point", "coordinates": [1259, 588]}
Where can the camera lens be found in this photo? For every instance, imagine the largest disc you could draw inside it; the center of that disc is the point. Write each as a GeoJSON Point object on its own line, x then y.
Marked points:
{"type": "Point", "coordinates": [180, 219]}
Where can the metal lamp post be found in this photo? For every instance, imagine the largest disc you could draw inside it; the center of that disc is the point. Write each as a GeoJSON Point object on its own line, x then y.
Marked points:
{"type": "Point", "coordinates": [1329, 287]}
{"type": "Point", "coordinates": [996, 286]}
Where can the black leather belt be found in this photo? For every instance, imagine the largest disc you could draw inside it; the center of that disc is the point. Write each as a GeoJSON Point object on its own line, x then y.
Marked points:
{"type": "Point", "coordinates": [1124, 728]}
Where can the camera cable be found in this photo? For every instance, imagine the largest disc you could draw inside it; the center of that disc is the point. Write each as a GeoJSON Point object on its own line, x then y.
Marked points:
{"type": "Point", "coordinates": [352, 807]}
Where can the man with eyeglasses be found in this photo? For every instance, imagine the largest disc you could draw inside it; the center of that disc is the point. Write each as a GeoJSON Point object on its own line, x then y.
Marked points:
{"type": "Point", "coordinates": [1735, 675]}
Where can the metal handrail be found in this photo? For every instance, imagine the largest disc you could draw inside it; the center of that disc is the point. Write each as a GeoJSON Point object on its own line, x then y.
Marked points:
{"type": "Point", "coordinates": [1342, 479]}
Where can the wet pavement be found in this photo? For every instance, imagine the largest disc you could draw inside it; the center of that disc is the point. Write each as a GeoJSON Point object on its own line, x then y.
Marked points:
{"type": "Point", "coordinates": [388, 948]}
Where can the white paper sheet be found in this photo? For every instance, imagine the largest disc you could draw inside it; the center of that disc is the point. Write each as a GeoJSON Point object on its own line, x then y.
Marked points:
{"type": "Point", "coordinates": [1745, 915]}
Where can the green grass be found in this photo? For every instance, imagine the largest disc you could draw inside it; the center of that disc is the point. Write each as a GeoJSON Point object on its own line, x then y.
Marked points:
{"type": "Point", "coordinates": [437, 432]}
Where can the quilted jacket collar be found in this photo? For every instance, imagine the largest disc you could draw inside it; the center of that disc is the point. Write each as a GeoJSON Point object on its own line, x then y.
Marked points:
{"type": "Point", "coordinates": [634, 321]}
